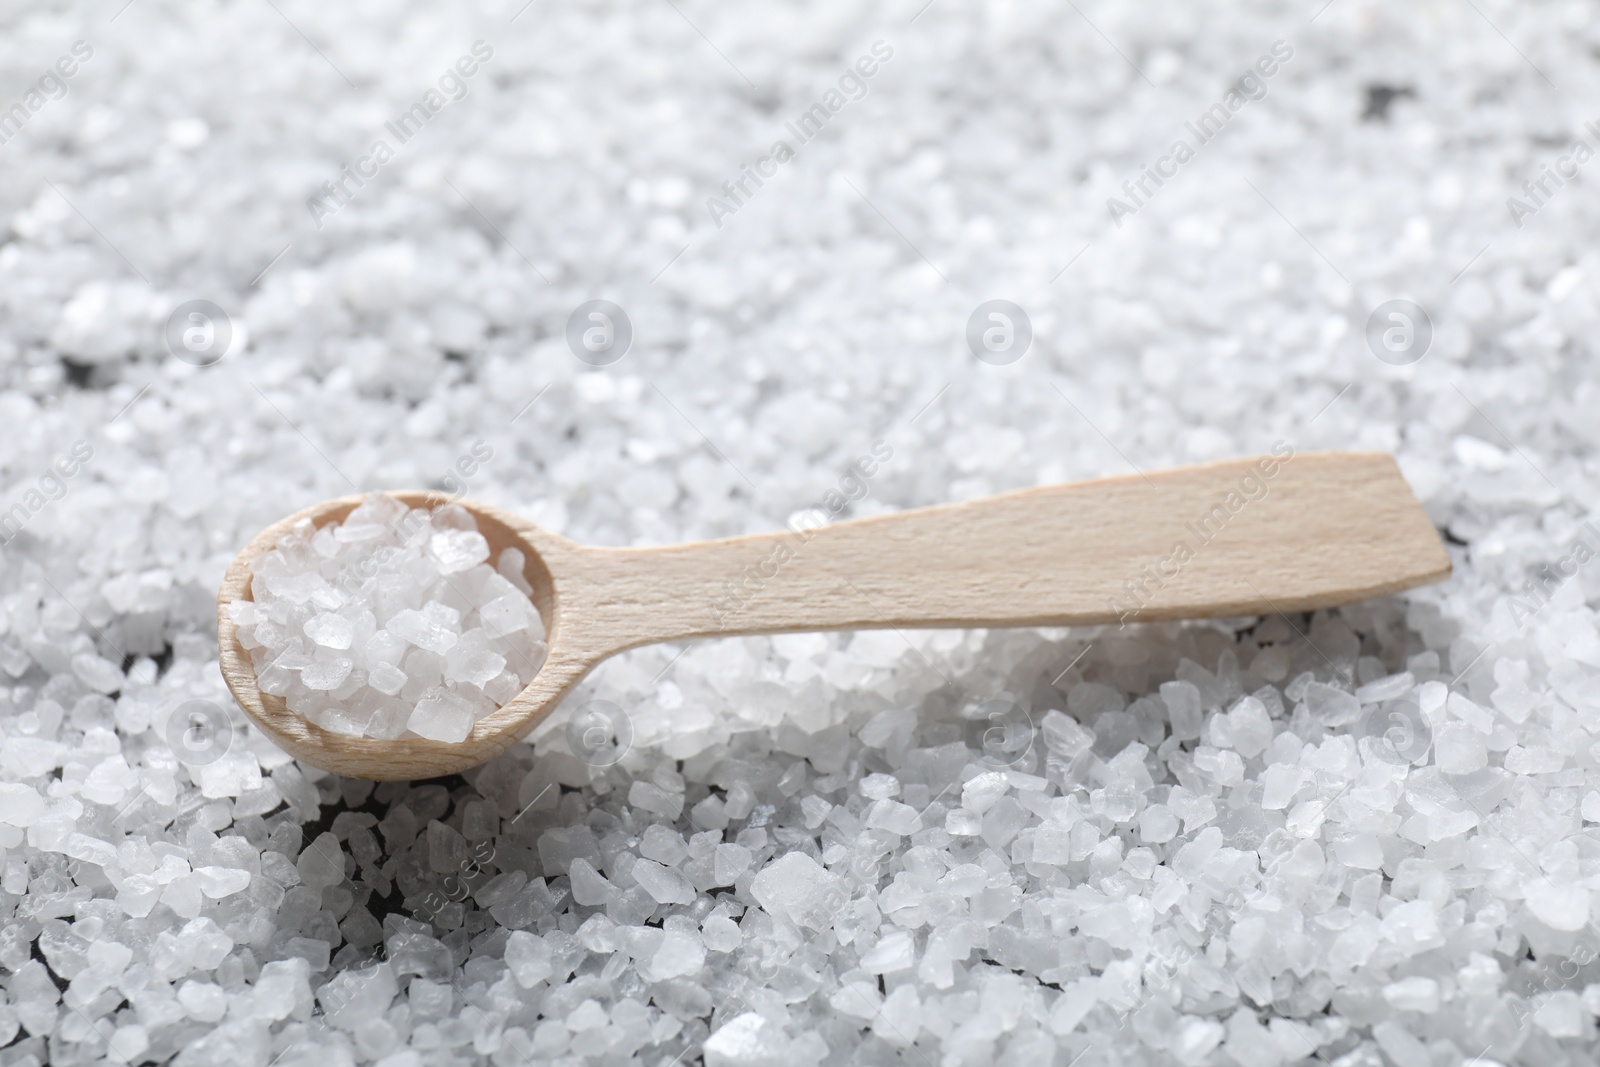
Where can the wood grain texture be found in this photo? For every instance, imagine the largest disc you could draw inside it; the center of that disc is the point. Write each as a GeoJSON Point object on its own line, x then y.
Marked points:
{"type": "Point", "coordinates": [1243, 537]}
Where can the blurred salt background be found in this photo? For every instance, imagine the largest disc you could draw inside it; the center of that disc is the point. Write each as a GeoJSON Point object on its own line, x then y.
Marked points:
{"type": "Point", "coordinates": [1361, 837]}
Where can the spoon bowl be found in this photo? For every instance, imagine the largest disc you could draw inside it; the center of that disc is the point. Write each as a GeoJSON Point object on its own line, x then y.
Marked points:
{"type": "Point", "coordinates": [405, 758]}
{"type": "Point", "coordinates": [1282, 533]}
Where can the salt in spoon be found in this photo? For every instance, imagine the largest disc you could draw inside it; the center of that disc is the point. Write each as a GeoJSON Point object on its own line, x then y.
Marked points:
{"type": "Point", "coordinates": [1262, 536]}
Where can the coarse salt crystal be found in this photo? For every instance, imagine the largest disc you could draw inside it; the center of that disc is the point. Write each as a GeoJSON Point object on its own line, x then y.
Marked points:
{"type": "Point", "coordinates": [441, 715]}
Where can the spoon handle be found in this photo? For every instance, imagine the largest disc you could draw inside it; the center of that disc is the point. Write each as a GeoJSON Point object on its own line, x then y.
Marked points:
{"type": "Point", "coordinates": [1281, 533]}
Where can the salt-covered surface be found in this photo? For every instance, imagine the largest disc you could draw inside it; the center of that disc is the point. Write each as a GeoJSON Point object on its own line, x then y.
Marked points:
{"type": "Point", "coordinates": [391, 622]}
{"type": "Point", "coordinates": [1361, 837]}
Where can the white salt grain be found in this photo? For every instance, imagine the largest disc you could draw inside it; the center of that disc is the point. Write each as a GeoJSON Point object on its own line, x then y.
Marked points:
{"type": "Point", "coordinates": [326, 674]}
{"type": "Point", "coordinates": [1413, 994]}
{"type": "Point", "coordinates": [472, 666]}
{"type": "Point", "coordinates": [1400, 1045]}
{"type": "Point", "coordinates": [425, 629]}
{"type": "Point", "coordinates": [329, 630]}
{"type": "Point", "coordinates": [529, 958]}
{"type": "Point", "coordinates": [589, 886]}
{"type": "Point", "coordinates": [663, 844]}
{"type": "Point", "coordinates": [1460, 749]}
{"type": "Point", "coordinates": [20, 805]}
{"type": "Point", "coordinates": [1332, 706]}
{"type": "Point", "coordinates": [900, 1017]}
{"type": "Point", "coordinates": [879, 786]}
{"type": "Point", "coordinates": [384, 647]}
{"type": "Point", "coordinates": [652, 798]}
{"type": "Point", "coordinates": [894, 817]}
{"type": "Point", "coordinates": [1560, 1013]}
{"type": "Point", "coordinates": [729, 863]}
{"type": "Point", "coordinates": [507, 615]}
{"type": "Point", "coordinates": [321, 863]}
{"type": "Point", "coordinates": [796, 887]}
{"type": "Point", "coordinates": [1559, 904]}
{"type": "Point", "coordinates": [981, 792]}
{"type": "Point", "coordinates": [1192, 1045]}
{"type": "Point", "coordinates": [441, 715]}
{"type": "Point", "coordinates": [721, 934]}
{"type": "Point", "coordinates": [748, 1040]}
{"type": "Point", "coordinates": [219, 882]}
{"type": "Point", "coordinates": [97, 672]}
{"type": "Point", "coordinates": [665, 885]}
{"type": "Point", "coordinates": [386, 678]}
{"type": "Point", "coordinates": [1157, 824]}
{"type": "Point", "coordinates": [203, 1001]}
{"type": "Point", "coordinates": [456, 550]}
{"type": "Point", "coordinates": [1246, 728]}
{"type": "Point", "coordinates": [895, 951]}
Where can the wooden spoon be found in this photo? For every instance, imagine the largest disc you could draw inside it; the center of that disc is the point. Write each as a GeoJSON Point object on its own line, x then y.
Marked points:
{"type": "Point", "coordinates": [1283, 533]}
